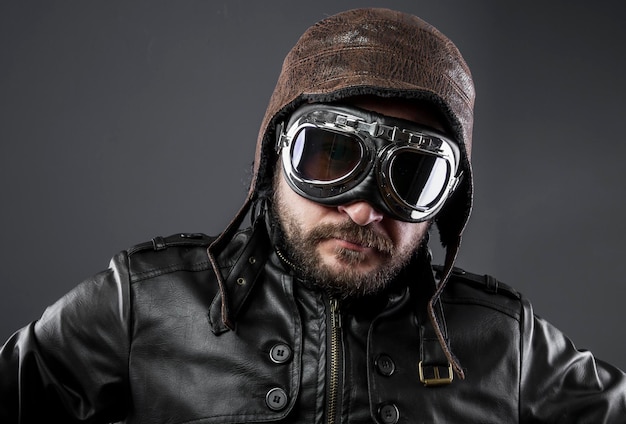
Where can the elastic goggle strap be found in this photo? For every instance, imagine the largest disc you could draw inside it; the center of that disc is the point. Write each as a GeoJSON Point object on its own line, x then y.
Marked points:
{"type": "Point", "coordinates": [339, 154]}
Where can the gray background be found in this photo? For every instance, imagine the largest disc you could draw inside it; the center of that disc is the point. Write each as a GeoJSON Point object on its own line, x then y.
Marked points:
{"type": "Point", "coordinates": [124, 120]}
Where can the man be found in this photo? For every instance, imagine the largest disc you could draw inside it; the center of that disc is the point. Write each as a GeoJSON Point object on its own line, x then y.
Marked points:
{"type": "Point", "coordinates": [327, 308]}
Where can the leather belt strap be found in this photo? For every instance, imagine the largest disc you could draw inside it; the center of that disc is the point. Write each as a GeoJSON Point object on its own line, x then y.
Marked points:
{"type": "Point", "coordinates": [434, 367]}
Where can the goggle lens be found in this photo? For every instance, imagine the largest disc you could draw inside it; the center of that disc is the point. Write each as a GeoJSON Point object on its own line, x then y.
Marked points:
{"type": "Point", "coordinates": [322, 155]}
{"type": "Point", "coordinates": [417, 178]}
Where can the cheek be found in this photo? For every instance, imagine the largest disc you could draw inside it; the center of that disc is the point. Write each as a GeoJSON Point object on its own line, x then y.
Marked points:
{"type": "Point", "coordinates": [305, 211]}
{"type": "Point", "coordinates": [408, 234]}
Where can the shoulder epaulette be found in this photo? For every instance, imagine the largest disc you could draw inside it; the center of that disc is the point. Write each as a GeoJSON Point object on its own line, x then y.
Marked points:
{"type": "Point", "coordinates": [484, 282]}
{"type": "Point", "coordinates": [175, 240]}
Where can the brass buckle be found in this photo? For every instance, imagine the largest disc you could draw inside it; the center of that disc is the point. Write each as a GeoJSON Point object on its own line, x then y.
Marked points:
{"type": "Point", "coordinates": [437, 379]}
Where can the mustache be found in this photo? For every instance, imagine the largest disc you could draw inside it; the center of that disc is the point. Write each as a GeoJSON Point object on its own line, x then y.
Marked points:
{"type": "Point", "coordinates": [364, 236]}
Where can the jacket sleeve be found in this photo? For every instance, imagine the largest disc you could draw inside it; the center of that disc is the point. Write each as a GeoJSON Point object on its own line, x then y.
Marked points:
{"type": "Point", "coordinates": [71, 365]}
{"type": "Point", "coordinates": [560, 384]}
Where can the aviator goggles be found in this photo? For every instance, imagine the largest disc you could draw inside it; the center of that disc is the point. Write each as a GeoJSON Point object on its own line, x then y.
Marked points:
{"type": "Point", "coordinates": [336, 155]}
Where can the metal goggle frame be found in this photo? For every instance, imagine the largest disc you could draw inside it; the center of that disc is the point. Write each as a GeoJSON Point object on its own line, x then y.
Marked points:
{"type": "Point", "coordinates": [336, 155]}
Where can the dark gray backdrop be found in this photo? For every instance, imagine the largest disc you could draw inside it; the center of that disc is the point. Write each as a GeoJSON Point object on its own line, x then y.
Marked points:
{"type": "Point", "coordinates": [124, 120]}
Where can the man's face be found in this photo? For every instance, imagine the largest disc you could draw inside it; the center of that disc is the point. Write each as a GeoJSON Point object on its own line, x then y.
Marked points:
{"type": "Point", "coordinates": [351, 249]}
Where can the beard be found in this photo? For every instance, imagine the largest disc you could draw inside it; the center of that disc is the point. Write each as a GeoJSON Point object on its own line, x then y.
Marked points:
{"type": "Point", "coordinates": [301, 249]}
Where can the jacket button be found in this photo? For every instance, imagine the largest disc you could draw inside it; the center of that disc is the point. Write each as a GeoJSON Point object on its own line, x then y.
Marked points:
{"type": "Point", "coordinates": [385, 365]}
{"type": "Point", "coordinates": [276, 399]}
{"type": "Point", "coordinates": [280, 353]}
{"type": "Point", "coordinates": [389, 413]}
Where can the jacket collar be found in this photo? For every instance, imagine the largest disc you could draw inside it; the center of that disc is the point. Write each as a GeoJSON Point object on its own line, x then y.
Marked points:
{"type": "Point", "coordinates": [237, 277]}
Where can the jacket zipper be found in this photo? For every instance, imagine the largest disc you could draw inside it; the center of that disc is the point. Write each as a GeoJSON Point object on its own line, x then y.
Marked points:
{"type": "Point", "coordinates": [335, 360]}
{"type": "Point", "coordinates": [334, 370]}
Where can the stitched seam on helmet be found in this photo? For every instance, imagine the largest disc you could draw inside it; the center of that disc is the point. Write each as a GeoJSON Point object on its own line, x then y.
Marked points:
{"type": "Point", "coordinates": [408, 85]}
{"type": "Point", "coordinates": [458, 90]}
{"type": "Point", "coordinates": [332, 51]}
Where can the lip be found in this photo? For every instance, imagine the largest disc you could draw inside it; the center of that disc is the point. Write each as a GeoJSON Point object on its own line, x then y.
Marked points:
{"type": "Point", "coordinates": [347, 244]}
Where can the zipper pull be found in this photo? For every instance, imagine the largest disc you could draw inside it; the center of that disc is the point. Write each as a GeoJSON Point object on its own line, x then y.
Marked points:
{"type": "Point", "coordinates": [335, 314]}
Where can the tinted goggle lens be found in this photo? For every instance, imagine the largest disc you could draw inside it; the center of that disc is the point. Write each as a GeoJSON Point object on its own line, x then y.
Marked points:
{"type": "Point", "coordinates": [322, 155]}
{"type": "Point", "coordinates": [418, 179]}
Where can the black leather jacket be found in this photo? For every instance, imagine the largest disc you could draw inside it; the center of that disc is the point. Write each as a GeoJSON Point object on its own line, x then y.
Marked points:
{"type": "Point", "coordinates": [144, 342]}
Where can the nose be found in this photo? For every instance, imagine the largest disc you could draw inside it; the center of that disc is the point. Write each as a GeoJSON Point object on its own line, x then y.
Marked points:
{"type": "Point", "coordinates": [361, 213]}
